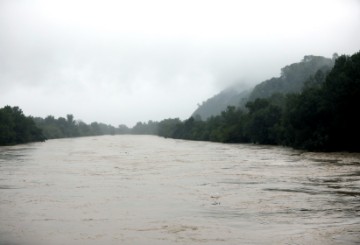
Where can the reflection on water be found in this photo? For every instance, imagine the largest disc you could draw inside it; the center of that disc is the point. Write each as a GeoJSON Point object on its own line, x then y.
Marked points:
{"type": "Point", "coordinates": [150, 190]}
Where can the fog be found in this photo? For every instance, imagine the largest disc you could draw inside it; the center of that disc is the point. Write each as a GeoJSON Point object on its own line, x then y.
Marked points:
{"type": "Point", "coordinates": [120, 62]}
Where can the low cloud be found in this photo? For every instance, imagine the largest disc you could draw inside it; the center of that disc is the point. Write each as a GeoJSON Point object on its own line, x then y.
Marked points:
{"type": "Point", "coordinates": [123, 62]}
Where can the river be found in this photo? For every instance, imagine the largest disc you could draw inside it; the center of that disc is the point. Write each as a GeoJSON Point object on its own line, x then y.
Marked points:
{"type": "Point", "coordinates": [150, 190]}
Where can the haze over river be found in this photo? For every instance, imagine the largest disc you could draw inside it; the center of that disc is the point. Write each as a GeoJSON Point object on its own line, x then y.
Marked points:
{"type": "Point", "coordinates": [151, 190]}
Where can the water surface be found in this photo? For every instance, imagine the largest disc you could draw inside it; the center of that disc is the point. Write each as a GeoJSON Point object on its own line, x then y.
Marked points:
{"type": "Point", "coordinates": [150, 190]}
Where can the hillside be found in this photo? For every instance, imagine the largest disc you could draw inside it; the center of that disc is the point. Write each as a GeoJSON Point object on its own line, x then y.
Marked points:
{"type": "Point", "coordinates": [292, 80]}
{"type": "Point", "coordinates": [292, 77]}
{"type": "Point", "coordinates": [320, 117]}
{"type": "Point", "coordinates": [215, 105]}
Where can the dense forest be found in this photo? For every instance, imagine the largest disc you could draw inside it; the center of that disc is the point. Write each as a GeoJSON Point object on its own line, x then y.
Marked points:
{"type": "Point", "coordinates": [320, 117]}
{"type": "Point", "coordinates": [317, 112]}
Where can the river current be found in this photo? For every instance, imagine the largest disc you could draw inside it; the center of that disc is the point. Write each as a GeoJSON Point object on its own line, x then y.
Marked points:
{"type": "Point", "coordinates": [151, 190]}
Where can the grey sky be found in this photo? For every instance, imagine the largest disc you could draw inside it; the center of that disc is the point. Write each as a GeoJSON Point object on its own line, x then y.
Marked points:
{"type": "Point", "coordinates": [128, 61]}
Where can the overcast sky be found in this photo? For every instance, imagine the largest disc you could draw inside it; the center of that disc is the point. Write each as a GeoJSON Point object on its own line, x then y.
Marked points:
{"type": "Point", "coordinates": [120, 62]}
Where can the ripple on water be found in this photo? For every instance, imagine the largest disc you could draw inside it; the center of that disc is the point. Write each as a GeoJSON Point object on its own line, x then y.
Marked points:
{"type": "Point", "coordinates": [149, 190]}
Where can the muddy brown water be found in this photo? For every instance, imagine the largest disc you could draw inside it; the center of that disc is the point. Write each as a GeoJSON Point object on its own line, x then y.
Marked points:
{"type": "Point", "coordinates": [151, 190]}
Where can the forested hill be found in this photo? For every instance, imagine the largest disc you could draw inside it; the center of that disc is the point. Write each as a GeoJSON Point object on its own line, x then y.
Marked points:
{"type": "Point", "coordinates": [293, 77]}
{"type": "Point", "coordinates": [292, 80]}
{"type": "Point", "coordinates": [320, 117]}
{"type": "Point", "coordinates": [219, 102]}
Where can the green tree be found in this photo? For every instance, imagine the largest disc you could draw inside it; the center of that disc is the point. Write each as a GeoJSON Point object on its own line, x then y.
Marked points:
{"type": "Point", "coordinates": [16, 128]}
{"type": "Point", "coordinates": [167, 127]}
{"type": "Point", "coordinates": [342, 97]}
{"type": "Point", "coordinates": [263, 122]}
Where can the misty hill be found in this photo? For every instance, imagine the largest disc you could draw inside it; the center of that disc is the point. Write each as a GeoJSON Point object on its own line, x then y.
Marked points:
{"type": "Point", "coordinates": [292, 80]}
{"type": "Point", "coordinates": [215, 105]}
{"type": "Point", "coordinates": [293, 77]}
{"type": "Point", "coordinates": [320, 117]}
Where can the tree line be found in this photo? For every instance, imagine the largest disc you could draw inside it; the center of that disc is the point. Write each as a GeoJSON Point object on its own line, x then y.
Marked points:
{"type": "Point", "coordinates": [322, 117]}
{"type": "Point", "coordinates": [54, 128]}
{"type": "Point", "coordinates": [16, 128]}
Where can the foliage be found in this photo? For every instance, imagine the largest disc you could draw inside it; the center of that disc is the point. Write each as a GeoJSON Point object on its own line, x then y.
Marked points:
{"type": "Point", "coordinates": [293, 77]}
{"type": "Point", "coordinates": [232, 96]}
{"type": "Point", "coordinates": [263, 121]}
{"type": "Point", "coordinates": [145, 128]}
{"type": "Point", "coordinates": [68, 127]}
{"type": "Point", "coordinates": [16, 128]}
{"type": "Point", "coordinates": [166, 128]}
